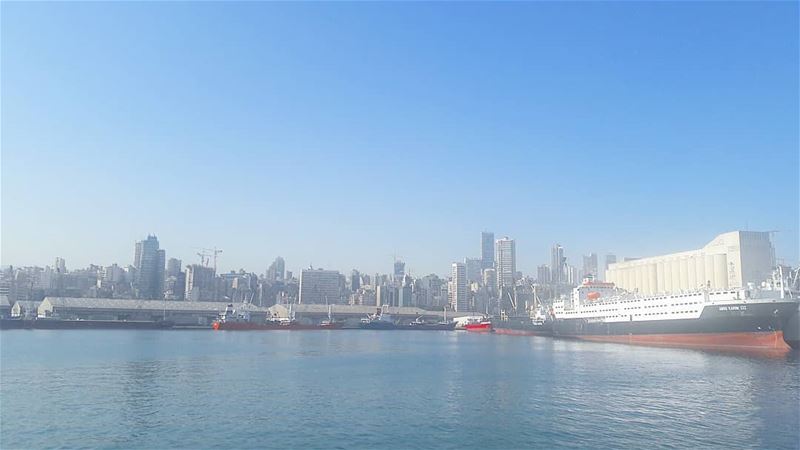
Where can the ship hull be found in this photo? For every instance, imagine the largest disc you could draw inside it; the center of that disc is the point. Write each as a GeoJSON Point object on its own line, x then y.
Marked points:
{"type": "Point", "coordinates": [522, 326]}
{"type": "Point", "coordinates": [252, 326]}
{"type": "Point", "coordinates": [430, 327]}
{"type": "Point", "coordinates": [791, 331]}
{"type": "Point", "coordinates": [734, 326]}
{"type": "Point", "coordinates": [766, 340]}
{"type": "Point", "coordinates": [378, 325]}
{"type": "Point", "coordinates": [485, 327]}
{"type": "Point", "coordinates": [535, 331]}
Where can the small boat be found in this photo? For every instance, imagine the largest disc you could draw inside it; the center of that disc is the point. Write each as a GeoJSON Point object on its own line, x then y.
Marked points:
{"type": "Point", "coordinates": [233, 321]}
{"type": "Point", "coordinates": [330, 323]}
{"type": "Point", "coordinates": [420, 324]}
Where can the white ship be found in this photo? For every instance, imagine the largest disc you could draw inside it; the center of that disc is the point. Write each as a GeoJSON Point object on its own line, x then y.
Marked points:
{"type": "Point", "coordinates": [742, 318]}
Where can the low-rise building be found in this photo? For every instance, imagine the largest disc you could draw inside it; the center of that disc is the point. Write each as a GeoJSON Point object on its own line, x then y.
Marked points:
{"type": "Point", "coordinates": [5, 306]}
{"type": "Point", "coordinates": [25, 308]}
{"type": "Point", "coordinates": [179, 312]}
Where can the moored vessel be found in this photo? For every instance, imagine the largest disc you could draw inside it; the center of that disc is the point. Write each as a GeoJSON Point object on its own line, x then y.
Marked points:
{"type": "Point", "coordinates": [537, 322]}
{"type": "Point", "coordinates": [483, 326]}
{"type": "Point", "coordinates": [231, 320]}
{"type": "Point", "coordinates": [730, 319]}
{"type": "Point", "coordinates": [421, 325]}
{"type": "Point", "coordinates": [523, 326]}
{"type": "Point", "coordinates": [378, 321]}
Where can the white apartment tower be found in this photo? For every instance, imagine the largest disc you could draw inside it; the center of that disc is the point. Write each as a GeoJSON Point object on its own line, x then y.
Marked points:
{"type": "Point", "coordinates": [506, 264]}
{"type": "Point", "coordinates": [459, 298]}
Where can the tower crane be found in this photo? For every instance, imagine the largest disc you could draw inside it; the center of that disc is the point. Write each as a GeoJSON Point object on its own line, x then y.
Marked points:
{"type": "Point", "coordinates": [206, 254]}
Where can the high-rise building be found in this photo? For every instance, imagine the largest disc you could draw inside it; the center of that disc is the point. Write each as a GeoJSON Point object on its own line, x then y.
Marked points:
{"type": "Point", "coordinates": [428, 290]}
{"type": "Point", "coordinates": [487, 250]}
{"type": "Point", "coordinates": [399, 271]}
{"type": "Point", "coordinates": [557, 262]}
{"type": "Point", "coordinates": [113, 274]}
{"type": "Point", "coordinates": [571, 275]}
{"type": "Point", "coordinates": [590, 265]}
{"type": "Point", "coordinates": [405, 296]}
{"type": "Point", "coordinates": [276, 270]}
{"type": "Point", "coordinates": [543, 274]}
{"type": "Point", "coordinates": [459, 299]}
{"type": "Point", "coordinates": [473, 269]}
{"type": "Point", "coordinates": [320, 286]}
{"type": "Point", "coordinates": [149, 261]}
{"type": "Point", "coordinates": [175, 286]}
{"type": "Point", "coordinates": [355, 280]}
{"type": "Point", "coordinates": [173, 267]}
{"type": "Point", "coordinates": [610, 259]}
{"type": "Point", "coordinates": [60, 265]}
{"type": "Point", "coordinates": [386, 295]}
{"type": "Point", "coordinates": [200, 283]}
{"type": "Point", "coordinates": [490, 281]}
{"type": "Point", "coordinates": [506, 266]}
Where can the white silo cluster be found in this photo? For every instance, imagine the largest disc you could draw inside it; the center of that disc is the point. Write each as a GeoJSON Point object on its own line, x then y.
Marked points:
{"type": "Point", "coordinates": [730, 260]}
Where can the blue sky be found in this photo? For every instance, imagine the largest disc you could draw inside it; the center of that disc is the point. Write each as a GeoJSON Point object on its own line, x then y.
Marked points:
{"type": "Point", "coordinates": [340, 134]}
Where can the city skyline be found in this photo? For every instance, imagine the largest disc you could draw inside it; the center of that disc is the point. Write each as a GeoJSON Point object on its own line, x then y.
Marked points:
{"type": "Point", "coordinates": [648, 129]}
{"type": "Point", "coordinates": [277, 270]}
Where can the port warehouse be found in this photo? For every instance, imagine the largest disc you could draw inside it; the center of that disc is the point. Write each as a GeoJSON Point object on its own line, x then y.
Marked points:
{"type": "Point", "coordinates": [179, 312]}
{"type": "Point", "coordinates": [203, 313]}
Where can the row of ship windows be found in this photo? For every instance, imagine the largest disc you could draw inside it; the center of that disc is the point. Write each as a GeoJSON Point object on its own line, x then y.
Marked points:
{"type": "Point", "coordinates": [667, 312]}
{"type": "Point", "coordinates": [672, 304]}
{"type": "Point", "coordinates": [636, 315]}
{"type": "Point", "coordinates": [645, 306]}
{"type": "Point", "coordinates": [667, 297]}
{"type": "Point", "coordinates": [662, 306]}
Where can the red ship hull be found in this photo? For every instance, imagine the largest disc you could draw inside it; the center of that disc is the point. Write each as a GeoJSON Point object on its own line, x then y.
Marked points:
{"type": "Point", "coordinates": [515, 332]}
{"type": "Point", "coordinates": [766, 340]}
{"type": "Point", "coordinates": [251, 326]}
{"type": "Point", "coordinates": [483, 327]}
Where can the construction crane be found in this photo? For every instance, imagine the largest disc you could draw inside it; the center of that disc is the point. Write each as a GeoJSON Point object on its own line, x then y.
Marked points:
{"type": "Point", "coordinates": [206, 254]}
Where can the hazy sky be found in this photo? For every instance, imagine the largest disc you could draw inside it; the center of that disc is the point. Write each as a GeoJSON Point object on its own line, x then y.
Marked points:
{"type": "Point", "coordinates": [339, 134]}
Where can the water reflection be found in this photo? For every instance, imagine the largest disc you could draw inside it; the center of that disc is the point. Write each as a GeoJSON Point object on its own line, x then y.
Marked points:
{"type": "Point", "coordinates": [375, 389]}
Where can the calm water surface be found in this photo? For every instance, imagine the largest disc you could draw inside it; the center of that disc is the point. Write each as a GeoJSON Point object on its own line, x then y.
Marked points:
{"type": "Point", "coordinates": [372, 389]}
